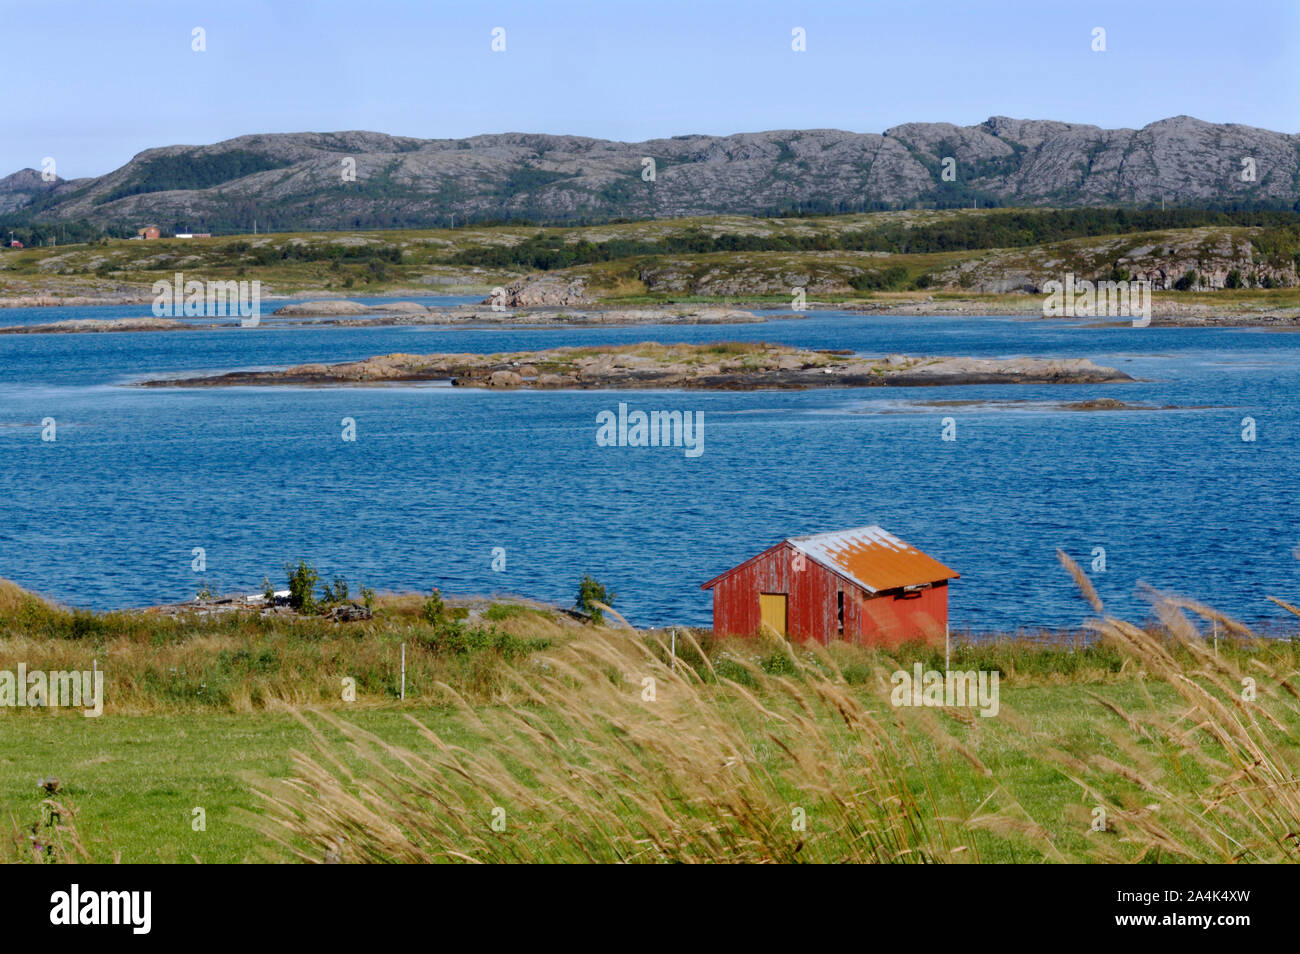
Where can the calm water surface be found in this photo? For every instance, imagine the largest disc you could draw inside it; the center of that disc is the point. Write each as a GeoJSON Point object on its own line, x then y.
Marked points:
{"type": "Point", "coordinates": [108, 514]}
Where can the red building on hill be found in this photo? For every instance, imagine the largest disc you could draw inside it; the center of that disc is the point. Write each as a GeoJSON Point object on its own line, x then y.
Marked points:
{"type": "Point", "coordinates": [864, 585]}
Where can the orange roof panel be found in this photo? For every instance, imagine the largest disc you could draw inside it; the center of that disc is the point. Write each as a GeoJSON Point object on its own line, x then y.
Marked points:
{"type": "Point", "coordinates": [873, 558]}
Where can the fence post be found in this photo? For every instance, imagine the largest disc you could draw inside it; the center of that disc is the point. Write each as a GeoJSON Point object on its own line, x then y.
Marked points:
{"type": "Point", "coordinates": [403, 672]}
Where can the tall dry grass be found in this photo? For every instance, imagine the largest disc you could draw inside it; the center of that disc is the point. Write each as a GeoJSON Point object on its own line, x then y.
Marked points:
{"type": "Point", "coordinates": [600, 765]}
{"type": "Point", "coordinates": [1214, 777]}
{"type": "Point", "coordinates": [720, 765]}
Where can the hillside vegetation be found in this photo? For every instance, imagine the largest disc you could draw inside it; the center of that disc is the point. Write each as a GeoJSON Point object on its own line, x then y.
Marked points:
{"type": "Point", "coordinates": [737, 257]}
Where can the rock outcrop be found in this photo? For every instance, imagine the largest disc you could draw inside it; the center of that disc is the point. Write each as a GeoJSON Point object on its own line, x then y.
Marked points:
{"type": "Point", "coordinates": [80, 325]}
{"type": "Point", "coordinates": [538, 291]}
{"type": "Point", "coordinates": [327, 308]}
{"type": "Point", "coordinates": [730, 366]}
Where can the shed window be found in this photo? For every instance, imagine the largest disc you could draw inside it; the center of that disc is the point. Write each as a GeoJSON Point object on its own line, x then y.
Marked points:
{"type": "Point", "coordinates": [839, 611]}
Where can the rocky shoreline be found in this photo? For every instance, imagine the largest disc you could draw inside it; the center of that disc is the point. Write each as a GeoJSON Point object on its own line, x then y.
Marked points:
{"type": "Point", "coordinates": [541, 312]}
{"type": "Point", "coordinates": [350, 314]}
{"type": "Point", "coordinates": [74, 326]}
{"type": "Point", "coordinates": [410, 312]}
{"type": "Point", "coordinates": [724, 366]}
{"type": "Point", "coordinates": [1163, 313]}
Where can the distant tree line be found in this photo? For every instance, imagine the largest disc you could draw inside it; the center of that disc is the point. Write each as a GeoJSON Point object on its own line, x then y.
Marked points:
{"type": "Point", "coordinates": [963, 233]}
{"type": "Point", "coordinates": [265, 255]}
{"type": "Point", "coordinates": [59, 233]}
{"type": "Point", "coordinates": [1278, 243]}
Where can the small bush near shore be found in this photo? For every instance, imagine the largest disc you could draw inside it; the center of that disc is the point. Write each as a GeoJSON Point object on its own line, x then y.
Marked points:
{"type": "Point", "coordinates": [591, 593]}
{"type": "Point", "coordinates": [302, 586]}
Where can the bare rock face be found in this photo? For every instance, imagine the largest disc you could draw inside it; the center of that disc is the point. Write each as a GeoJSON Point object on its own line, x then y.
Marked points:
{"type": "Point", "coordinates": [1210, 254]}
{"type": "Point", "coordinates": [22, 188]}
{"type": "Point", "coordinates": [78, 325]}
{"type": "Point", "coordinates": [340, 308]}
{"type": "Point", "coordinates": [505, 379]}
{"type": "Point", "coordinates": [402, 308]}
{"type": "Point", "coordinates": [1036, 369]}
{"type": "Point", "coordinates": [313, 309]}
{"type": "Point", "coordinates": [554, 381]}
{"type": "Point", "coordinates": [541, 291]}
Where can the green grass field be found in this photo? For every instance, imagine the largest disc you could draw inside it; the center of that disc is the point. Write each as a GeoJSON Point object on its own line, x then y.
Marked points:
{"type": "Point", "coordinates": [136, 779]}
{"type": "Point", "coordinates": [739, 750]}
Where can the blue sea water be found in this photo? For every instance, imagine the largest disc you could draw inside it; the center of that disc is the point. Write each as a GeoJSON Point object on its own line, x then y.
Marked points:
{"type": "Point", "coordinates": [108, 514]}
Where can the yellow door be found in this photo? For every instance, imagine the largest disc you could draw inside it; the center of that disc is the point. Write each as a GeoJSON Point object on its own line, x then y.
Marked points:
{"type": "Point", "coordinates": [772, 607]}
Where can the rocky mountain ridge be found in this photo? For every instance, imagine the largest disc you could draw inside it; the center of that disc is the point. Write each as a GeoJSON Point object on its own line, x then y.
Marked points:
{"type": "Point", "coordinates": [368, 180]}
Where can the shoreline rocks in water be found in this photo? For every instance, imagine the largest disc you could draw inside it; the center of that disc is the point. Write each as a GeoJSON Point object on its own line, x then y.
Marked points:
{"type": "Point", "coordinates": [1092, 404]}
{"type": "Point", "coordinates": [1164, 312]}
{"type": "Point", "coordinates": [82, 325]}
{"type": "Point", "coordinates": [727, 366]}
{"type": "Point", "coordinates": [410, 312]}
{"type": "Point", "coordinates": [352, 314]}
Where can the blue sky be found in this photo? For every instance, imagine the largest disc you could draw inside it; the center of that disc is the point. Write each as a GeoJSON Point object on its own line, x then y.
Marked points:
{"type": "Point", "coordinates": [92, 82]}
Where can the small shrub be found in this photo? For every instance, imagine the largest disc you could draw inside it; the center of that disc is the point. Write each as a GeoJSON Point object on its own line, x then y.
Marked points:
{"type": "Point", "coordinates": [435, 610]}
{"type": "Point", "coordinates": [779, 663]}
{"type": "Point", "coordinates": [338, 593]}
{"type": "Point", "coordinates": [590, 593]}
{"type": "Point", "coordinates": [887, 279]}
{"type": "Point", "coordinates": [302, 586]}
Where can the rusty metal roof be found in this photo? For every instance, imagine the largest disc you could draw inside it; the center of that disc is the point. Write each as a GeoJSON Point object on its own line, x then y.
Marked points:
{"type": "Point", "coordinates": [873, 558]}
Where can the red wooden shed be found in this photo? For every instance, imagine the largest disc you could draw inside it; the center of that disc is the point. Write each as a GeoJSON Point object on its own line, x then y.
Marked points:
{"type": "Point", "coordinates": [864, 585]}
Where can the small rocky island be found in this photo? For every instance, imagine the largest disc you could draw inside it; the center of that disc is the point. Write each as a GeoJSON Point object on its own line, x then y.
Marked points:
{"type": "Point", "coordinates": [727, 366]}
{"type": "Point", "coordinates": [354, 314]}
